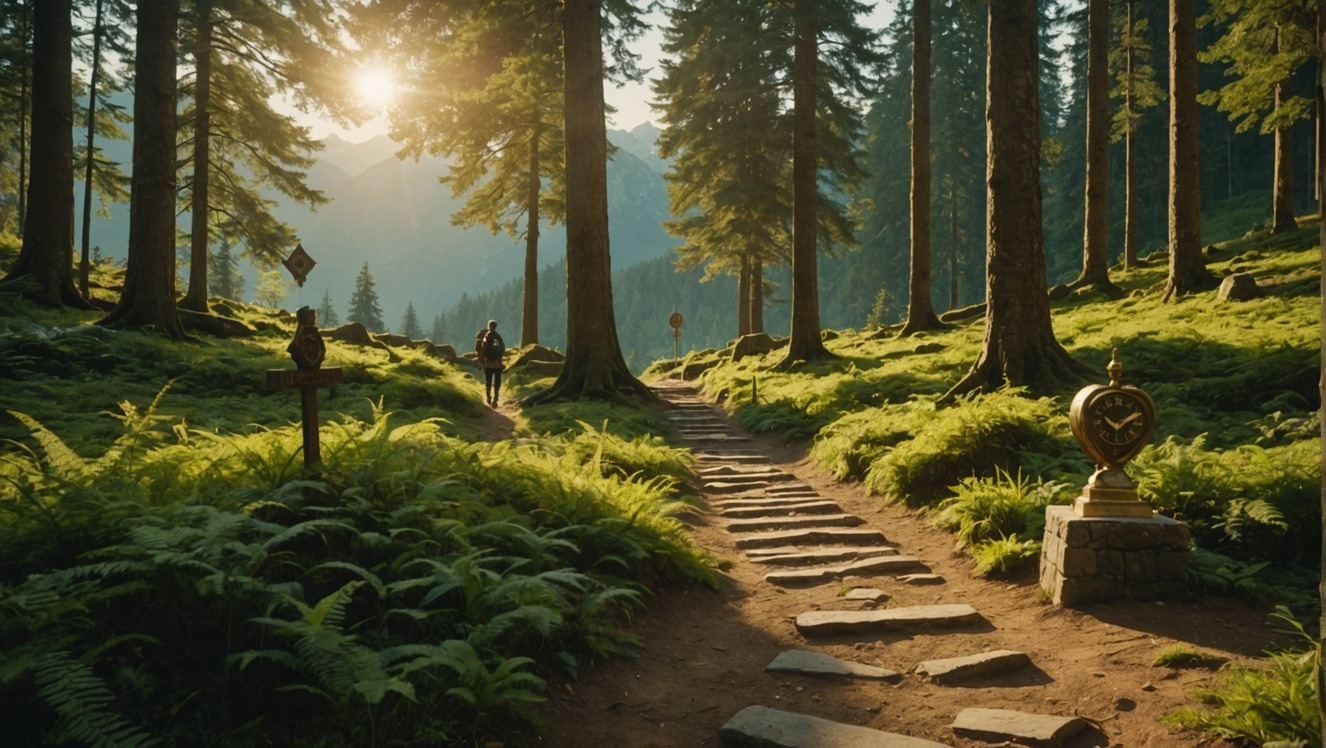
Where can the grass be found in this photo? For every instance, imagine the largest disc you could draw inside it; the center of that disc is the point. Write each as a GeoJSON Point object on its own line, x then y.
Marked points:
{"type": "Point", "coordinates": [1181, 656]}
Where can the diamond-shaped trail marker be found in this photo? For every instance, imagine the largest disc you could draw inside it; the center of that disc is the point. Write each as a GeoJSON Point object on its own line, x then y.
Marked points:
{"type": "Point", "coordinates": [299, 264]}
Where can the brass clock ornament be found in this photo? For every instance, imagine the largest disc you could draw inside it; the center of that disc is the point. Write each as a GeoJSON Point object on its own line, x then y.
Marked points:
{"type": "Point", "coordinates": [307, 348]}
{"type": "Point", "coordinates": [1112, 423]}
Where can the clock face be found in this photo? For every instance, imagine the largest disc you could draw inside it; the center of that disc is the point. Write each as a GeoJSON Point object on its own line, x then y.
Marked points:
{"type": "Point", "coordinates": [1117, 419]}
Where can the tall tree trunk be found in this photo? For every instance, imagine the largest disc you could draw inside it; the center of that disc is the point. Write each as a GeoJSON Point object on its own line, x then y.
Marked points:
{"type": "Point", "coordinates": [46, 260]}
{"type": "Point", "coordinates": [1019, 346]}
{"type": "Point", "coordinates": [529, 321]}
{"type": "Point", "coordinates": [1095, 231]}
{"type": "Point", "coordinates": [953, 233]}
{"type": "Point", "coordinates": [1321, 385]}
{"type": "Point", "coordinates": [920, 309]}
{"type": "Point", "coordinates": [23, 144]}
{"type": "Point", "coordinates": [1130, 151]}
{"type": "Point", "coordinates": [196, 298]}
{"type": "Point", "coordinates": [594, 365]}
{"type": "Point", "coordinates": [1282, 216]}
{"type": "Point", "coordinates": [805, 343]}
{"type": "Point", "coordinates": [1187, 272]}
{"type": "Point", "coordinates": [743, 296]}
{"type": "Point", "coordinates": [85, 261]}
{"type": "Point", "coordinates": [148, 299]}
{"type": "Point", "coordinates": [1319, 165]}
{"type": "Point", "coordinates": [756, 293]}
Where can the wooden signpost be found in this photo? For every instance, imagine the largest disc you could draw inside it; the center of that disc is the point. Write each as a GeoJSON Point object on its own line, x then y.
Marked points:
{"type": "Point", "coordinates": [308, 350]}
{"type": "Point", "coordinates": [675, 320]}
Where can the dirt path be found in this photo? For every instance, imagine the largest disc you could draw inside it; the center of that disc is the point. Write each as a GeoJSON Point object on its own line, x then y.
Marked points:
{"type": "Point", "coordinates": [705, 651]}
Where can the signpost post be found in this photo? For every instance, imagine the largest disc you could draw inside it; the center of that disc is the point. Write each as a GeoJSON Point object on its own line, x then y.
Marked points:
{"type": "Point", "coordinates": [675, 320]}
{"type": "Point", "coordinates": [308, 351]}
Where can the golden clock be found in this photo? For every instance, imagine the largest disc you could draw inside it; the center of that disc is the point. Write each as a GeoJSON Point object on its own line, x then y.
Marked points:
{"type": "Point", "coordinates": [1112, 423]}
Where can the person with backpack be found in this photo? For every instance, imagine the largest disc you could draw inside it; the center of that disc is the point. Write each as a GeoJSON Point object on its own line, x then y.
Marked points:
{"type": "Point", "coordinates": [490, 348]}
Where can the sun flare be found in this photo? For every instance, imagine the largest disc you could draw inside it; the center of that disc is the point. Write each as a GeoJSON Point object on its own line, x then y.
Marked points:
{"type": "Point", "coordinates": [375, 88]}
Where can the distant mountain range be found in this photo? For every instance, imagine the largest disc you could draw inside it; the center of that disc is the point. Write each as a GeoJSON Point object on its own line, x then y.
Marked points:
{"type": "Point", "coordinates": [396, 216]}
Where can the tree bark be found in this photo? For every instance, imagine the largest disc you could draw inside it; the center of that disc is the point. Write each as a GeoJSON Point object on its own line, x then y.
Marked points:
{"type": "Point", "coordinates": [195, 300]}
{"type": "Point", "coordinates": [594, 365]}
{"type": "Point", "coordinates": [85, 260]}
{"type": "Point", "coordinates": [148, 299]}
{"type": "Point", "coordinates": [1095, 231]}
{"type": "Point", "coordinates": [1187, 272]}
{"type": "Point", "coordinates": [1019, 347]}
{"type": "Point", "coordinates": [743, 297]}
{"type": "Point", "coordinates": [1321, 385]}
{"type": "Point", "coordinates": [1282, 217]}
{"type": "Point", "coordinates": [920, 308]}
{"type": "Point", "coordinates": [529, 321]}
{"type": "Point", "coordinates": [953, 232]}
{"type": "Point", "coordinates": [45, 264]}
{"type": "Point", "coordinates": [805, 343]}
{"type": "Point", "coordinates": [756, 294]}
{"type": "Point", "coordinates": [1130, 153]}
{"type": "Point", "coordinates": [23, 144]}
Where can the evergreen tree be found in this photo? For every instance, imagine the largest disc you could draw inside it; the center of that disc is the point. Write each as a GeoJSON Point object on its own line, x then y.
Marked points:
{"type": "Point", "coordinates": [327, 316]}
{"type": "Point", "coordinates": [920, 311]}
{"type": "Point", "coordinates": [1137, 89]}
{"type": "Point", "coordinates": [224, 276]}
{"type": "Point", "coordinates": [1265, 43]}
{"type": "Point", "coordinates": [15, 75]}
{"type": "Point", "coordinates": [1019, 347]}
{"type": "Point", "coordinates": [1187, 272]}
{"type": "Point", "coordinates": [245, 53]}
{"type": "Point", "coordinates": [364, 307]}
{"type": "Point", "coordinates": [495, 119]}
{"type": "Point", "coordinates": [729, 145]}
{"type": "Point", "coordinates": [148, 298]}
{"type": "Point", "coordinates": [272, 287]}
{"type": "Point", "coordinates": [1095, 235]}
{"type": "Point", "coordinates": [45, 262]}
{"type": "Point", "coordinates": [410, 323]}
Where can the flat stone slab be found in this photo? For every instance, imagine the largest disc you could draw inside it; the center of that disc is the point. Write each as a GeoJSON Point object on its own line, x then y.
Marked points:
{"type": "Point", "coordinates": [754, 501]}
{"type": "Point", "coordinates": [751, 476]}
{"type": "Point", "coordinates": [762, 727]}
{"type": "Point", "coordinates": [716, 470]}
{"type": "Point", "coordinates": [710, 458]}
{"type": "Point", "coordinates": [890, 619]}
{"type": "Point", "coordinates": [958, 669]}
{"type": "Point", "coordinates": [797, 557]}
{"type": "Point", "coordinates": [790, 488]}
{"type": "Point", "coordinates": [993, 725]}
{"type": "Point", "coordinates": [792, 523]}
{"type": "Point", "coordinates": [815, 536]}
{"type": "Point", "coordinates": [863, 567]}
{"type": "Point", "coordinates": [866, 594]}
{"type": "Point", "coordinates": [817, 663]}
{"type": "Point", "coordinates": [921, 579]}
{"type": "Point", "coordinates": [801, 507]}
{"type": "Point", "coordinates": [715, 438]}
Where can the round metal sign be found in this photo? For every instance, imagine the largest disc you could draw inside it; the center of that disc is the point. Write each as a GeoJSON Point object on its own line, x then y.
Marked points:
{"type": "Point", "coordinates": [675, 320]}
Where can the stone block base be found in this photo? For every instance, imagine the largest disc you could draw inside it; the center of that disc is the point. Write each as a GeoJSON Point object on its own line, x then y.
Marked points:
{"type": "Point", "coordinates": [1094, 559]}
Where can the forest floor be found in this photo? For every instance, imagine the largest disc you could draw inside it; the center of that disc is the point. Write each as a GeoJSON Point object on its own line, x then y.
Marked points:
{"type": "Point", "coordinates": [704, 651]}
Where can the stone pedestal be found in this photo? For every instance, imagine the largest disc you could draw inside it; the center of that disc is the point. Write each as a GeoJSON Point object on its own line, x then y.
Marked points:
{"type": "Point", "coordinates": [1093, 559]}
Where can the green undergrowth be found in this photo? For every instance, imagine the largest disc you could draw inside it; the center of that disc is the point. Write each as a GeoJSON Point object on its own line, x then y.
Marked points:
{"type": "Point", "coordinates": [1236, 453]}
{"type": "Point", "coordinates": [185, 587]}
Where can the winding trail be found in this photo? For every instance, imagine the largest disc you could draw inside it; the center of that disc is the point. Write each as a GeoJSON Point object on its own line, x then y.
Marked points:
{"type": "Point", "coordinates": [843, 621]}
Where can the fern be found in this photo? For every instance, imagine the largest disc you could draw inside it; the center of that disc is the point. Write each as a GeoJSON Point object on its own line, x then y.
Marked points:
{"type": "Point", "coordinates": [82, 702]}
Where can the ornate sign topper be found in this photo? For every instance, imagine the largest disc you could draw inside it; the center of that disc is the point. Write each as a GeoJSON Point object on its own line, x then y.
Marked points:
{"type": "Point", "coordinates": [675, 320]}
{"type": "Point", "coordinates": [1112, 423]}
{"type": "Point", "coordinates": [299, 264]}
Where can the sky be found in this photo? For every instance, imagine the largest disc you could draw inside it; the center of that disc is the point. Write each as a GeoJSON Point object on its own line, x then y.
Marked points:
{"type": "Point", "coordinates": [631, 101]}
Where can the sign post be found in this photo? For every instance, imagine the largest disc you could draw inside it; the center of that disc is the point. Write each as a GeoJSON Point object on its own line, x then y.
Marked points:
{"type": "Point", "coordinates": [308, 350]}
{"type": "Point", "coordinates": [675, 320]}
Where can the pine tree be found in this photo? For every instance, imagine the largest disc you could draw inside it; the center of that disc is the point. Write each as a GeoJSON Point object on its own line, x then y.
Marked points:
{"type": "Point", "coordinates": [1095, 235]}
{"type": "Point", "coordinates": [1265, 43]}
{"type": "Point", "coordinates": [224, 276]}
{"type": "Point", "coordinates": [148, 298]}
{"type": "Point", "coordinates": [327, 316]}
{"type": "Point", "coordinates": [244, 54]}
{"type": "Point", "coordinates": [1137, 88]}
{"type": "Point", "coordinates": [920, 310]}
{"type": "Point", "coordinates": [1187, 272]}
{"type": "Point", "coordinates": [364, 307]}
{"type": "Point", "coordinates": [410, 323]}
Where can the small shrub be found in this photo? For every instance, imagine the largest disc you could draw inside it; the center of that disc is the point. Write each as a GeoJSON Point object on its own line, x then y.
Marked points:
{"type": "Point", "coordinates": [1183, 657]}
{"type": "Point", "coordinates": [1004, 555]}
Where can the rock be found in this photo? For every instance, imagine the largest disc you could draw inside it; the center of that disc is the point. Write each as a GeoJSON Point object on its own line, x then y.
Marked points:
{"type": "Point", "coordinates": [957, 669]}
{"type": "Point", "coordinates": [929, 348]}
{"type": "Point", "coordinates": [797, 557]}
{"type": "Point", "coordinates": [875, 566]}
{"type": "Point", "coordinates": [778, 510]}
{"type": "Point", "coordinates": [827, 335]}
{"type": "Point", "coordinates": [755, 344]}
{"type": "Point", "coordinates": [763, 727]}
{"type": "Point", "coordinates": [444, 352]}
{"type": "Point", "coordinates": [1060, 291]}
{"type": "Point", "coordinates": [792, 523]}
{"type": "Point", "coordinates": [866, 594]}
{"type": "Point", "coordinates": [966, 312]}
{"type": "Point", "coordinates": [355, 333]}
{"type": "Point", "coordinates": [536, 352]}
{"type": "Point", "coordinates": [864, 622]}
{"type": "Point", "coordinates": [815, 663]}
{"type": "Point", "coordinates": [1024, 728]}
{"type": "Point", "coordinates": [819, 536]}
{"type": "Point", "coordinates": [392, 339]}
{"type": "Point", "coordinates": [920, 579]}
{"type": "Point", "coordinates": [542, 369]}
{"type": "Point", "coordinates": [1238, 287]}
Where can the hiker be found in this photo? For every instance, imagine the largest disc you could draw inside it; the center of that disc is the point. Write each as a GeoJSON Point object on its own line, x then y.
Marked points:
{"type": "Point", "coordinates": [489, 347]}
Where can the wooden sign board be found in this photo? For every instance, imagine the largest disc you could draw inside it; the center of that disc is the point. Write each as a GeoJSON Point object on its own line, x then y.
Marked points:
{"type": "Point", "coordinates": [289, 379]}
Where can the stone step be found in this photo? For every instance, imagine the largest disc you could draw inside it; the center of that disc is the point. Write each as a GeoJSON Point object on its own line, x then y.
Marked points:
{"type": "Point", "coordinates": [817, 663]}
{"type": "Point", "coordinates": [865, 567]}
{"type": "Point", "coordinates": [751, 477]}
{"type": "Point", "coordinates": [958, 669]}
{"type": "Point", "coordinates": [762, 727]}
{"type": "Point", "coordinates": [1024, 728]}
{"type": "Point", "coordinates": [716, 438]}
{"type": "Point", "coordinates": [761, 524]}
{"type": "Point", "coordinates": [733, 501]}
{"type": "Point", "coordinates": [820, 536]}
{"type": "Point", "coordinates": [866, 595]}
{"type": "Point", "coordinates": [918, 580]}
{"type": "Point", "coordinates": [804, 507]}
{"type": "Point", "coordinates": [761, 493]}
{"type": "Point", "coordinates": [824, 622]}
{"type": "Point", "coordinates": [729, 487]}
{"type": "Point", "coordinates": [825, 555]}
{"type": "Point", "coordinates": [728, 469]}
{"type": "Point", "coordinates": [790, 488]}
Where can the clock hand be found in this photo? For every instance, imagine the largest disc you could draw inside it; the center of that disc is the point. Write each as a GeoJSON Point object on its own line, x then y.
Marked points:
{"type": "Point", "coordinates": [1129, 419]}
{"type": "Point", "coordinates": [1113, 425]}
